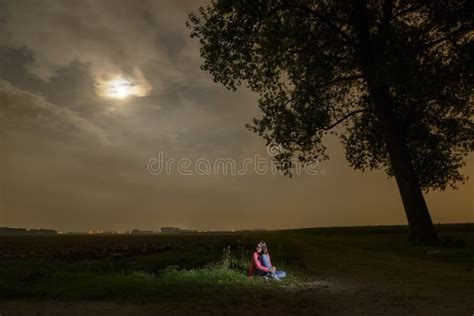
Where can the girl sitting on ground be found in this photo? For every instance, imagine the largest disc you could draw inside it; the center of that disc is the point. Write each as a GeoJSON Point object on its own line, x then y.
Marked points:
{"type": "Point", "coordinates": [261, 264]}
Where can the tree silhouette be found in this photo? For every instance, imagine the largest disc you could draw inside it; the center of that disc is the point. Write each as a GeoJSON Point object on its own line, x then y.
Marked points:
{"type": "Point", "coordinates": [396, 75]}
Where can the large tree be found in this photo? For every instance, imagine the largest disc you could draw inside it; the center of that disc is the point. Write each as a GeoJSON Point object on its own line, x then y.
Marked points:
{"type": "Point", "coordinates": [396, 75]}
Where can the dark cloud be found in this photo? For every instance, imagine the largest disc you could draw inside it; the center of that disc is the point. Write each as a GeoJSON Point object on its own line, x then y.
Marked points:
{"type": "Point", "coordinates": [74, 160]}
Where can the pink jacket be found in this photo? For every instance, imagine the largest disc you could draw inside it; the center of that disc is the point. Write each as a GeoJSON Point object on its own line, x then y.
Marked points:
{"type": "Point", "coordinates": [255, 264]}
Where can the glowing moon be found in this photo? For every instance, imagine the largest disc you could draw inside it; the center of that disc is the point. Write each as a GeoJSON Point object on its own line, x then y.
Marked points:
{"type": "Point", "coordinates": [119, 88]}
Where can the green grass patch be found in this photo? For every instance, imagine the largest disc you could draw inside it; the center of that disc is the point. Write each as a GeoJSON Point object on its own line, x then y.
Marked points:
{"type": "Point", "coordinates": [170, 283]}
{"type": "Point", "coordinates": [79, 281]}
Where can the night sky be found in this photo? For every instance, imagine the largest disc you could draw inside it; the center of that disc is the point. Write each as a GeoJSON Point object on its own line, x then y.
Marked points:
{"type": "Point", "coordinates": [90, 91]}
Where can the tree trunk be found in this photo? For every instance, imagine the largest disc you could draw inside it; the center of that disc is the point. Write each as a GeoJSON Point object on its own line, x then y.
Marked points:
{"type": "Point", "coordinates": [421, 229]}
{"type": "Point", "coordinates": [371, 56]}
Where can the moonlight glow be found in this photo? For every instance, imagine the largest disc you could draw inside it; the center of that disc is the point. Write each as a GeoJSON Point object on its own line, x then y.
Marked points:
{"type": "Point", "coordinates": [119, 88]}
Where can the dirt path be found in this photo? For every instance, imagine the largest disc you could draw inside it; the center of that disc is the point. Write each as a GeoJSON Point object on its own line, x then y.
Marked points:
{"type": "Point", "coordinates": [324, 297]}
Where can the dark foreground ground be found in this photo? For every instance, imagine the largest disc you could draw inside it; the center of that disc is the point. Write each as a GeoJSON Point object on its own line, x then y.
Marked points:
{"type": "Point", "coordinates": [348, 271]}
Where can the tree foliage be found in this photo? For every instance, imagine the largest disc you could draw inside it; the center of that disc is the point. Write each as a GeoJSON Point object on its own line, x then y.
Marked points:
{"type": "Point", "coordinates": [301, 57]}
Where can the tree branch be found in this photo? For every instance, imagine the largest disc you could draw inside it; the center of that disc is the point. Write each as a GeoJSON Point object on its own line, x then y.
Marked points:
{"type": "Point", "coordinates": [327, 21]}
{"type": "Point", "coordinates": [452, 35]}
{"type": "Point", "coordinates": [319, 16]}
{"type": "Point", "coordinates": [338, 80]}
{"type": "Point", "coordinates": [408, 10]}
{"type": "Point", "coordinates": [344, 118]}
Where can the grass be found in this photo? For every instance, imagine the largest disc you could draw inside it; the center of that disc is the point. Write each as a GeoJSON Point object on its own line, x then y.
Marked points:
{"type": "Point", "coordinates": [103, 280]}
{"type": "Point", "coordinates": [139, 285]}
